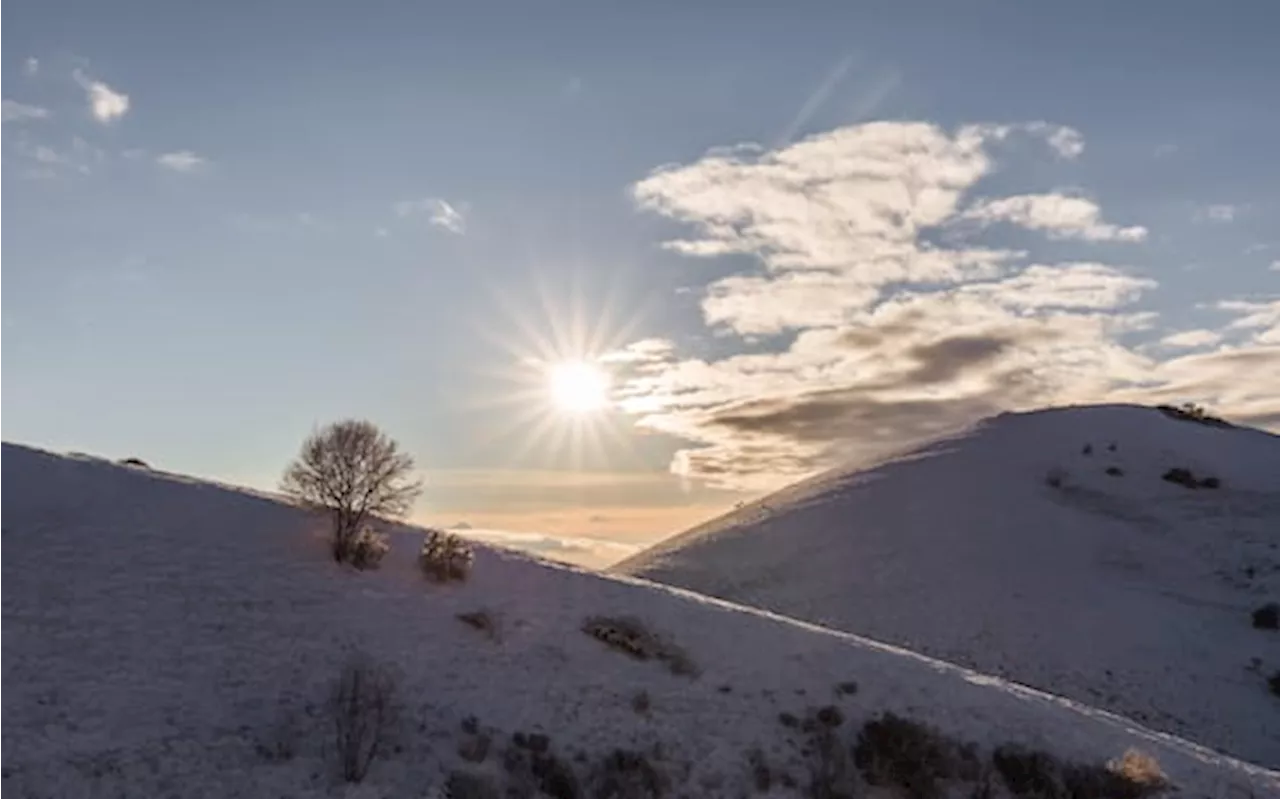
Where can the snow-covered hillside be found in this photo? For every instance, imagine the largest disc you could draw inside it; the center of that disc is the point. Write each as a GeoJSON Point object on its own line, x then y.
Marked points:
{"type": "Point", "coordinates": [166, 637]}
{"type": "Point", "coordinates": [1044, 547]}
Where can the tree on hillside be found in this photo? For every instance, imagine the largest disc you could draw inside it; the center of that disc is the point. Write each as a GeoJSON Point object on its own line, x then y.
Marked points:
{"type": "Point", "coordinates": [355, 473]}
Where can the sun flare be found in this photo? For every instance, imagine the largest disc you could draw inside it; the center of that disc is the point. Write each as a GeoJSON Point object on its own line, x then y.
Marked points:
{"type": "Point", "coordinates": [578, 387]}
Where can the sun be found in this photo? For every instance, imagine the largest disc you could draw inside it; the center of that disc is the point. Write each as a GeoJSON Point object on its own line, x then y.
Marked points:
{"type": "Point", "coordinates": [578, 388]}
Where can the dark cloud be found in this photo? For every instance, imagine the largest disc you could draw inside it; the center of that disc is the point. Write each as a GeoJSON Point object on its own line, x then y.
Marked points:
{"type": "Point", "coordinates": [945, 360]}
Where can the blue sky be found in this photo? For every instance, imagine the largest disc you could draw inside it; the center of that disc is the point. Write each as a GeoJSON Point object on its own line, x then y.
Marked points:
{"type": "Point", "coordinates": [224, 223]}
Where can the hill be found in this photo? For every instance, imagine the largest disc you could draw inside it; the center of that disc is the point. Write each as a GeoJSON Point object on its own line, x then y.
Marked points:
{"type": "Point", "coordinates": [167, 637]}
{"type": "Point", "coordinates": [1046, 547]}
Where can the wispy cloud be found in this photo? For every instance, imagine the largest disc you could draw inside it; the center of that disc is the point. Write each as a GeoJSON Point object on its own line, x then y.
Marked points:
{"type": "Point", "coordinates": [31, 66]}
{"type": "Point", "coordinates": [439, 213]}
{"type": "Point", "coordinates": [18, 112]}
{"type": "Point", "coordinates": [1192, 339]}
{"type": "Point", "coordinates": [1218, 212]}
{"type": "Point", "coordinates": [182, 161]}
{"type": "Point", "coordinates": [105, 103]}
{"type": "Point", "coordinates": [1275, 266]}
{"type": "Point", "coordinates": [1058, 215]}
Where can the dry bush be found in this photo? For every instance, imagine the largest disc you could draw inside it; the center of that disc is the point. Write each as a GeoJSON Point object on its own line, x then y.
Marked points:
{"type": "Point", "coordinates": [1267, 617]}
{"type": "Point", "coordinates": [361, 709]}
{"type": "Point", "coordinates": [483, 621]}
{"type": "Point", "coordinates": [625, 774]}
{"type": "Point", "coordinates": [831, 775]}
{"type": "Point", "coordinates": [1191, 412]}
{"type": "Point", "coordinates": [445, 557]}
{"type": "Point", "coordinates": [1139, 768]}
{"type": "Point", "coordinates": [630, 636]}
{"type": "Point", "coordinates": [1034, 774]}
{"type": "Point", "coordinates": [913, 757]}
{"type": "Point", "coordinates": [365, 550]}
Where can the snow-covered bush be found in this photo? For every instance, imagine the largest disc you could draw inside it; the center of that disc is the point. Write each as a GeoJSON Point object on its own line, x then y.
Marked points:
{"type": "Point", "coordinates": [361, 707]}
{"type": "Point", "coordinates": [366, 549]}
{"type": "Point", "coordinates": [445, 557]}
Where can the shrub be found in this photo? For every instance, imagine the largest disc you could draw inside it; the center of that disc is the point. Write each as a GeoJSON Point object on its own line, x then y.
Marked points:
{"type": "Point", "coordinates": [625, 774]}
{"type": "Point", "coordinates": [1273, 682]}
{"type": "Point", "coordinates": [1191, 412]}
{"type": "Point", "coordinates": [1040, 775]}
{"type": "Point", "coordinates": [366, 549]}
{"type": "Point", "coordinates": [1055, 477]}
{"type": "Point", "coordinates": [641, 702]}
{"type": "Point", "coordinates": [465, 785]}
{"type": "Point", "coordinates": [893, 751]}
{"type": "Point", "coordinates": [1139, 768]}
{"type": "Point", "coordinates": [445, 557]}
{"type": "Point", "coordinates": [630, 636]}
{"type": "Point", "coordinates": [1267, 617]}
{"type": "Point", "coordinates": [360, 705]}
{"type": "Point", "coordinates": [135, 462]}
{"type": "Point", "coordinates": [1115, 471]}
{"type": "Point", "coordinates": [1186, 479]}
{"type": "Point", "coordinates": [830, 774]}
{"type": "Point", "coordinates": [482, 621]}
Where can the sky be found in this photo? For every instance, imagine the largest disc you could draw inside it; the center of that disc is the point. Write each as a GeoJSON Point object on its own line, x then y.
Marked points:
{"type": "Point", "coordinates": [788, 236]}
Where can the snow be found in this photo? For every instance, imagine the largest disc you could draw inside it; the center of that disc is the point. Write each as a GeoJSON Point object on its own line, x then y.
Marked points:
{"type": "Point", "coordinates": [156, 628]}
{"type": "Point", "coordinates": [1121, 591]}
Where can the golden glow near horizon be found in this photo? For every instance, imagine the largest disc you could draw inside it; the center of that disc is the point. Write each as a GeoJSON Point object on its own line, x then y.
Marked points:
{"type": "Point", "coordinates": [578, 387]}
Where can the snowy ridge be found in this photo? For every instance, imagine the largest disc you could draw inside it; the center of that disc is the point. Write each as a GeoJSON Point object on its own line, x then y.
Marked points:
{"type": "Point", "coordinates": [154, 628]}
{"type": "Point", "coordinates": [1113, 587]}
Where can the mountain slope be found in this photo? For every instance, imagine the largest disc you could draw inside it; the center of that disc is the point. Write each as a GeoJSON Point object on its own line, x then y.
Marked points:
{"type": "Point", "coordinates": [1115, 587]}
{"type": "Point", "coordinates": [166, 637]}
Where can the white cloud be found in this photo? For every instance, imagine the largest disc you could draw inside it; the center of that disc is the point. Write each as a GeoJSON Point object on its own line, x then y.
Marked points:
{"type": "Point", "coordinates": [381, 232]}
{"type": "Point", "coordinates": [1066, 142]}
{"type": "Point", "coordinates": [1058, 215]}
{"type": "Point", "coordinates": [106, 104]}
{"type": "Point", "coordinates": [14, 111]}
{"type": "Point", "coordinates": [31, 66]}
{"type": "Point", "coordinates": [1219, 212]}
{"type": "Point", "coordinates": [1192, 339]}
{"type": "Point", "coordinates": [1275, 266]}
{"type": "Point", "coordinates": [439, 212]}
{"type": "Point", "coordinates": [1260, 318]}
{"type": "Point", "coordinates": [181, 161]}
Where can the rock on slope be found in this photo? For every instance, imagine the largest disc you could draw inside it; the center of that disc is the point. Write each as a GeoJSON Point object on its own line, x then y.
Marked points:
{"type": "Point", "coordinates": [166, 637]}
{"type": "Point", "coordinates": [1114, 587]}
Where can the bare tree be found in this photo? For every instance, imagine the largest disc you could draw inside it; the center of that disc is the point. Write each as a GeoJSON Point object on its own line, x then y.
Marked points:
{"type": "Point", "coordinates": [354, 472]}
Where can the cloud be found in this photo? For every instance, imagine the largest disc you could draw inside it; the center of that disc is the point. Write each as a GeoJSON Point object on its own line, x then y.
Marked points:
{"type": "Point", "coordinates": [106, 104]}
{"type": "Point", "coordinates": [1066, 142]}
{"type": "Point", "coordinates": [31, 66]}
{"type": "Point", "coordinates": [1220, 212]}
{"type": "Point", "coordinates": [51, 162]}
{"type": "Point", "coordinates": [1260, 319]}
{"type": "Point", "coordinates": [14, 111]}
{"type": "Point", "coordinates": [182, 161]}
{"type": "Point", "coordinates": [439, 212]}
{"type": "Point", "coordinates": [590, 552]}
{"type": "Point", "coordinates": [1192, 339]}
{"type": "Point", "coordinates": [1058, 215]}
{"type": "Point", "coordinates": [1275, 266]}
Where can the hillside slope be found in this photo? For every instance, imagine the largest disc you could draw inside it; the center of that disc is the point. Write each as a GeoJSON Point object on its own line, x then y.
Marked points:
{"type": "Point", "coordinates": [166, 637]}
{"type": "Point", "coordinates": [1114, 587]}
